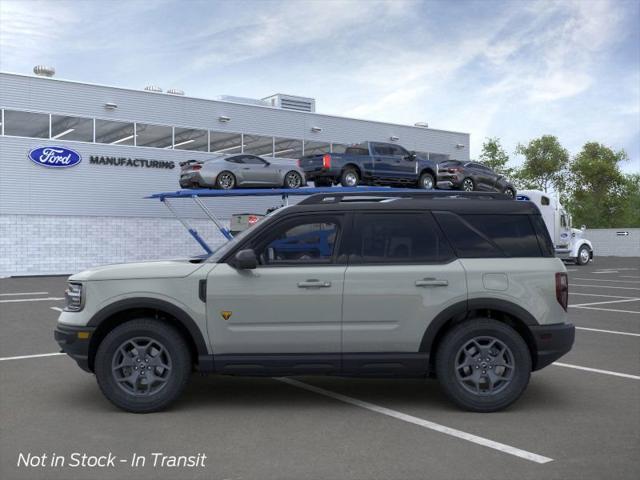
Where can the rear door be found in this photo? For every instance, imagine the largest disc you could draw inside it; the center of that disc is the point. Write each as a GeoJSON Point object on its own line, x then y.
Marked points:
{"type": "Point", "coordinates": [383, 160]}
{"type": "Point", "coordinates": [402, 273]}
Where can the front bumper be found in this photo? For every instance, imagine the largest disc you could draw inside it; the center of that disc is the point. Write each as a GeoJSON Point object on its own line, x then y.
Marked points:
{"type": "Point", "coordinates": [74, 341]}
{"type": "Point", "coordinates": [552, 342]}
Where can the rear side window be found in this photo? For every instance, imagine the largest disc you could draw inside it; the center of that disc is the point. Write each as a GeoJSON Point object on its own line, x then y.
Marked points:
{"type": "Point", "coordinates": [513, 234]}
{"type": "Point", "coordinates": [467, 241]}
{"type": "Point", "coordinates": [398, 238]}
{"type": "Point", "coordinates": [356, 151]}
{"type": "Point", "coordinates": [544, 239]}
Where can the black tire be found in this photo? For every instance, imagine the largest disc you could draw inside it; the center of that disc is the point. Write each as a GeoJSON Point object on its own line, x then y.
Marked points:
{"type": "Point", "coordinates": [349, 177]}
{"type": "Point", "coordinates": [583, 255]}
{"type": "Point", "coordinates": [225, 180]}
{"type": "Point", "coordinates": [460, 391]}
{"type": "Point", "coordinates": [322, 182]}
{"type": "Point", "coordinates": [289, 180]}
{"type": "Point", "coordinates": [510, 192]}
{"type": "Point", "coordinates": [426, 181]}
{"type": "Point", "coordinates": [168, 383]}
{"type": "Point", "coordinates": [468, 185]}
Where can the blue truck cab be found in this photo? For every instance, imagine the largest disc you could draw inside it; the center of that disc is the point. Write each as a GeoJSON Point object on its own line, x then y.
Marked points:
{"type": "Point", "coordinates": [371, 163]}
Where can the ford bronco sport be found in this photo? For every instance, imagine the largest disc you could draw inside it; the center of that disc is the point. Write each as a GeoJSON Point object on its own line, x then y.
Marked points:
{"type": "Point", "coordinates": [461, 287]}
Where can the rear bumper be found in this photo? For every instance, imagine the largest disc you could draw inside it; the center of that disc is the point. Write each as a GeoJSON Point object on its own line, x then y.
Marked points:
{"type": "Point", "coordinates": [193, 179]}
{"type": "Point", "coordinates": [552, 342]}
{"type": "Point", "coordinates": [313, 173]}
{"type": "Point", "coordinates": [73, 344]}
{"type": "Point", "coordinates": [448, 181]}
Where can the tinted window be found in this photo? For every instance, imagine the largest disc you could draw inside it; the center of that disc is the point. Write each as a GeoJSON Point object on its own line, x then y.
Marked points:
{"type": "Point", "coordinates": [544, 200]}
{"type": "Point", "coordinates": [398, 238]}
{"type": "Point", "coordinates": [513, 234]}
{"type": "Point", "coordinates": [252, 160]}
{"type": "Point", "coordinates": [239, 159]}
{"type": "Point", "coordinates": [544, 239]}
{"type": "Point", "coordinates": [382, 150]}
{"type": "Point", "coordinates": [398, 151]}
{"type": "Point", "coordinates": [467, 241]}
{"type": "Point", "coordinates": [357, 151]}
{"type": "Point", "coordinates": [306, 241]}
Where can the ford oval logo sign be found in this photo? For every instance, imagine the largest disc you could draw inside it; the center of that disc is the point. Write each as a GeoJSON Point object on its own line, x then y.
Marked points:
{"type": "Point", "coordinates": [55, 157]}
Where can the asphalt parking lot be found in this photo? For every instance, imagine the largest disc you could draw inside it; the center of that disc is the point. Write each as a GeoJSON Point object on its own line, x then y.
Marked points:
{"type": "Point", "coordinates": [579, 418]}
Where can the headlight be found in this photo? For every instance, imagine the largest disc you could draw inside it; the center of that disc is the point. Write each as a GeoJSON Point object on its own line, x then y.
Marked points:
{"type": "Point", "coordinates": [73, 297]}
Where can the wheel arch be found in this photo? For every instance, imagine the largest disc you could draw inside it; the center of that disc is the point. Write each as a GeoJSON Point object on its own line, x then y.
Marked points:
{"type": "Point", "coordinates": [430, 171]}
{"type": "Point", "coordinates": [121, 311]}
{"type": "Point", "coordinates": [354, 166]}
{"type": "Point", "coordinates": [502, 310]}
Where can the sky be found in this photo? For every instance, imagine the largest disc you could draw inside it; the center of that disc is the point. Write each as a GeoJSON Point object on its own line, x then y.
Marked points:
{"type": "Point", "coordinates": [509, 69]}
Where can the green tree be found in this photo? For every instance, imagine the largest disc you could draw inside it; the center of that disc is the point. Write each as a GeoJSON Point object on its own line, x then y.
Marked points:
{"type": "Point", "coordinates": [495, 157]}
{"type": "Point", "coordinates": [545, 164]}
{"type": "Point", "coordinates": [630, 216]}
{"type": "Point", "coordinates": [600, 194]}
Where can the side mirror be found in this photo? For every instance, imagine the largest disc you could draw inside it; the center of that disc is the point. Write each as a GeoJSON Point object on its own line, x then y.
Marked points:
{"type": "Point", "coordinates": [583, 228]}
{"type": "Point", "coordinates": [412, 156]}
{"type": "Point", "coordinates": [245, 260]}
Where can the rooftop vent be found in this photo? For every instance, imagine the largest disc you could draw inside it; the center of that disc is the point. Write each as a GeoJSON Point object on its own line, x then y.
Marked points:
{"type": "Point", "coordinates": [421, 124]}
{"type": "Point", "coordinates": [291, 102]}
{"type": "Point", "coordinates": [175, 91]}
{"type": "Point", "coordinates": [44, 71]}
{"type": "Point", "coordinates": [153, 88]}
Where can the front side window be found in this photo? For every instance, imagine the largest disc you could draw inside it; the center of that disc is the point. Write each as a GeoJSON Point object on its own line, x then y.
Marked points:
{"type": "Point", "coordinates": [398, 238]}
{"type": "Point", "coordinates": [398, 151]}
{"type": "Point", "coordinates": [308, 241]}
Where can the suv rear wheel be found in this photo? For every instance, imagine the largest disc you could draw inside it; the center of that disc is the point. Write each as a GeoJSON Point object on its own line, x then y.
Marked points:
{"type": "Point", "coordinates": [143, 365]}
{"type": "Point", "coordinates": [468, 185]}
{"type": "Point", "coordinates": [483, 365]}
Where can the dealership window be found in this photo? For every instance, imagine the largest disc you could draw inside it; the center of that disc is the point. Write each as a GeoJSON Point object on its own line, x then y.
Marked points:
{"type": "Point", "coordinates": [258, 145]}
{"type": "Point", "coordinates": [158, 136]}
{"type": "Point", "coordinates": [225, 143]}
{"type": "Point", "coordinates": [26, 124]}
{"type": "Point", "coordinates": [316, 148]}
{"type": "Point", "coordinates": [115, 133]}
{"type": "Point", "coordinates": [191, 139]}
{"type": "Point", "coordinates": [71, 128]}
{"type": "Point", "coordinates": [287, 148]}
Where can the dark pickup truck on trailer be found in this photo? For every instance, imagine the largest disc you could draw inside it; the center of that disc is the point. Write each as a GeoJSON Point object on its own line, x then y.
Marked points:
{"type": "Point", "coordinates": [370, 163]}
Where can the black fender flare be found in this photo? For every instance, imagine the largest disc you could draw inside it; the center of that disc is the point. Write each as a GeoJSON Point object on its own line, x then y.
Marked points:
{"type": "Point", "coordinates": [460, 310]}
{"type": "Point", "coordinates": [154, 304]}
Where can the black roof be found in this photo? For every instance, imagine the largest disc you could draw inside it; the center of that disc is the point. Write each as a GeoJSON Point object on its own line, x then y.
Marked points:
{"type": "Point", "coordinates": [458, 202]}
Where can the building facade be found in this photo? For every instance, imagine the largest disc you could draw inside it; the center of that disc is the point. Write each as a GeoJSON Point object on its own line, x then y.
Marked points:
{"type": "Point", "coordinates": [128, 145]}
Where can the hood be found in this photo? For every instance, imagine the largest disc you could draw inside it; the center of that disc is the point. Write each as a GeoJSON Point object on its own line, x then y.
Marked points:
{"type": "Point", "coordinates": [129, 271]}
{"type": "Point", "coordinates": [577, 233]}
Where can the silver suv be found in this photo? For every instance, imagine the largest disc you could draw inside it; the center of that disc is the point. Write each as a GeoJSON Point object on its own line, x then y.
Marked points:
{"type": "Point", "coordinates": [462, 287]}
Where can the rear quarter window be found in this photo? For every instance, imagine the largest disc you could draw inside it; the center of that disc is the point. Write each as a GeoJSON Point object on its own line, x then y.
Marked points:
{"type": "Point", "coordinates": [491, 236]}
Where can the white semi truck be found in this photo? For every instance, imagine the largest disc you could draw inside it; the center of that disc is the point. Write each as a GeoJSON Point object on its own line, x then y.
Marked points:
{"type": "Point", "coordinates": [569, 242]}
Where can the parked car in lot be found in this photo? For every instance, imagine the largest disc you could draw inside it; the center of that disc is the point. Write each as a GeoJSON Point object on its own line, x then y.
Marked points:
{"type": "Point", "coordinates": [462, 287]}
{"type": "Point", "coordinates": [470, 176]}
{"type": "Point", "coordinates": [570, 243]}
{"type": "Point", "coordinates": [233, 171]}
{"type": "Point", "coordinates": [370, 163]}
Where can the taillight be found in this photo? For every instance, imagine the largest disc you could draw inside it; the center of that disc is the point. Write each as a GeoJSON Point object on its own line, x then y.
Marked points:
{"type": "Point", "coordinates": [326, 161]}
{"type": "Point", "coordinates": [196, 167]}
{"type": "Point", "coordinates": [562, 289]}
{"type": "Point", "coordinates": [299, 162]}
{"type": "Point", "coordinates": [454, 170]}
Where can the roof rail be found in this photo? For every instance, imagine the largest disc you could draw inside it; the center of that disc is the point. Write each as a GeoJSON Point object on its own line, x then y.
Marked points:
{"type": "Point", "coordinates": [338, 196]}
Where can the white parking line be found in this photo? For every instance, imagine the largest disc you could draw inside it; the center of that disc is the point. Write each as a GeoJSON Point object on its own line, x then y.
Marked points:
{"type": "Point", "coordinates": [23, 357]}
{"type": "Point", "coordinates": [57, 309]}
{"type": "Point", "coordinates": [609, 310]}
{"type": "Point", "coordinates": [596, 295]}
{"type": "Point", "coordinates": [607, 271]}
{"type": "Point", "coordinates": [485, 442]}
{"type": "Point", "coordinates": [603, 286]}
{"type": "Point", "coordinates": [597, 370]}
{"type": "Point", "coordinates": [602, 303]}
{"type": "Point", "coordinates": [50, 299]}
{"type": "Point", "coordinates": [629, 276]}
{"type": "Point", "coordinates": [608, 331]}
{"type": "Point", "coordinates": [607, 280]}
{"type": "Point", "coordinates": [23, 293]}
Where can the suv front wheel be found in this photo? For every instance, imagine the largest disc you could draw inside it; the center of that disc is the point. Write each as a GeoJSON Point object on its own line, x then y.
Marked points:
{"type": "Point", "coordinates": [483, 365]}
{"type": "Point", "coordinates": [143, 365]}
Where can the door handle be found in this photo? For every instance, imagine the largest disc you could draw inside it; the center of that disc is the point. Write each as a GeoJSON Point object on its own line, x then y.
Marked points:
{"type": "Point", "coordinates": [314, 284]}
{"type": "Point", "coordinates": [431, 282]}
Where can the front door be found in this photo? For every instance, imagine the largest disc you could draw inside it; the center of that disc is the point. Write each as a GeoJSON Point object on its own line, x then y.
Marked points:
{"type": "Point", "coordinates": [290, 305]}
{"type": "Point", "coordinates": [402, 273]}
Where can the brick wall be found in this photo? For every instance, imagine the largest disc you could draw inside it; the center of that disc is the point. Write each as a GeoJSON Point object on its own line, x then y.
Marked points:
{"type": "Point", "coordinates": [43, 244]}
